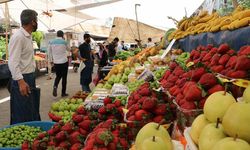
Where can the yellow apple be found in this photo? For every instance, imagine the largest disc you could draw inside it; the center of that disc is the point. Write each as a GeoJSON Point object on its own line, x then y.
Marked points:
{"type": "Point", "coordinates": [246, 94]}
{"type": "Point", "coordinates": [217, 104]}
{"type": "Point", "coordinates": [236, 121]}
{"type": "Point", "coordinates": [230, 143]}
{"type": "Point", "coordinates": [154, 142]}
{"type": "Point", "coordinates": [153, 129]}
{"type": "Point", "coordinates": [199, 123]}
{"type": "Point", "coordinates": [210, 134]}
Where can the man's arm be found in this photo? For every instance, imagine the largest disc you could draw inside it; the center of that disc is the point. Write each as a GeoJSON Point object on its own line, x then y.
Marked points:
{"type": "Point", "coordinates": [50, 57]}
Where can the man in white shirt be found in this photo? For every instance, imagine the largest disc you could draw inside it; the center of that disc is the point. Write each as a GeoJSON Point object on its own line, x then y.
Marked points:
{"type": "Point", "coordinates": [58, 55]}
{"type": "Point", "coordinates": [150, 43]}
{"type": "Point", "coordinates": [24, 97]}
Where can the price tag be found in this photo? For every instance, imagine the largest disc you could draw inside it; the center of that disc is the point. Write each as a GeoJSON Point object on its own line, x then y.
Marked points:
{"type": "Point", "coordinates": [168, 48]}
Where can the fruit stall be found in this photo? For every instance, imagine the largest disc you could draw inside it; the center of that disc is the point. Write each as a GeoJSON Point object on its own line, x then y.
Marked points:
{"type": "Point", "coordinates": [189, 98]}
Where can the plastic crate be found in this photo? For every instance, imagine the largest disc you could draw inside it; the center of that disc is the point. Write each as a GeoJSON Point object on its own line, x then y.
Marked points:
{"type": "Point", "coordinates": [44, 125]}
{"type": "Point", "coordinates": [190, 144]}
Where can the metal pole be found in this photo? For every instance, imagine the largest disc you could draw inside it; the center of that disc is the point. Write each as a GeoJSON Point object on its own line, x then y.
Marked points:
{"type": "Point", "coordinates": [137, 23]}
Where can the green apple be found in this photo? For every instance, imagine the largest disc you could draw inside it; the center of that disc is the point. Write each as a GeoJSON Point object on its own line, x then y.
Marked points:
{"type": "Point", "coordinates": [73, 101]}
{"type": "Point", "coordinates": [154, 142]}
{"type": "Point", "coordinates": [79, 101]}
{"type": "Point", "coordinates": [237, 121]}
{"type": "Point", "coordinates": [210, 134]}
{"type": "Point", "coordinates": [246, 94]}
{"type": "Point", "coordinates": [153, 129]}
{"type": "Point", "coordinates": [217, 104]}
{"type": "Point", "coordinates": [61, 113]}
{"type": "Point", "coordinates": [199, 123]}
{"type": "Point", "coordinates": [61, 108]}
{"type": "Point", "coordinates": [230, 143]}
{"type": "Point", "coordinates": [55, 106]}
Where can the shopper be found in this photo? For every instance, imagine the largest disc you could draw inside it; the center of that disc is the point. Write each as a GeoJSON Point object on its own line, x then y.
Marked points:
{"type": "Point", "coordinates": [24, 96]}
{"type": "Point", "coordinates": [150, 43]}
{"type": "Point", "coordinates": [112, 49]}
{"type": "Point", "coordinates": [121, 46]}
{"type": "Point", "coordinates": [58, 50]}
{"type": "Point", "coordinates": [87, 57]}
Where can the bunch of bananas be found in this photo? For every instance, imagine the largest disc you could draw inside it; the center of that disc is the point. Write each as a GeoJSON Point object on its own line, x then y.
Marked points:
{"type": "Point", "coordinates": [205, 22]}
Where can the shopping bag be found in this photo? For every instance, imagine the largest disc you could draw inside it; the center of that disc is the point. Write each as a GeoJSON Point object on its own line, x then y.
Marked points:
{"type": "Point", "coordinates": [81, 67]}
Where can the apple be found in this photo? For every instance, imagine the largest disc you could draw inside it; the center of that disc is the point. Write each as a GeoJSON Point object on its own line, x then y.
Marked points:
{"type": "Point", "coordinates": [217, 104]}
{"type": "Point", "coordinates": [246, 94]}
{"type": "Point", "coordinates": [199, 123]}
{"type": "Point", "coordinates": [210, 134]}
{"type": "Point", "coordinates": [230, 143]}
{"type": "Point", "coordinates": [236, 121]}
{"type": "Point", "coordinates": [153, 129]}
{"type": "Point", "coordinates": [154, 142]}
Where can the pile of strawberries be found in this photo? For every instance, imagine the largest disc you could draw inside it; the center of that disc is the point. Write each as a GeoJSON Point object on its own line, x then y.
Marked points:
{"type": "Point", "coordinates": [146, 105]}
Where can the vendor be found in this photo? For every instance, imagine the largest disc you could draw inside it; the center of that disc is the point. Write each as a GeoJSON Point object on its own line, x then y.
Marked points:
{"type": "Point", "coordinates": [112, 49]}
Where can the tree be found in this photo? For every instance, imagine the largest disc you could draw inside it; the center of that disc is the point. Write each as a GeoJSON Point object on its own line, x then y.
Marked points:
{"type": "Point", "coordinates": [37, 36]}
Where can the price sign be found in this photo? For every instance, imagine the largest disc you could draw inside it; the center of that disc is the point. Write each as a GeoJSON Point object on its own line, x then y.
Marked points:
{"type": "Point", "coordinates": [168, 48]}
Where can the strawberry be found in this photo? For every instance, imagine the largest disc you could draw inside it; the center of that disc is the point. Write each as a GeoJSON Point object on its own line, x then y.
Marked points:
{"type": "Point", "coordinates": [172, 65]}
{"type": "Point", "coordinates": [75, 137]}
{"type": "Point", "coordinates": [172, 78]}
{"type": "Point", "coordinates": [196, 55]}
{"type": "Point", "coordinates": [158, 119]}
{"type": "Point", "coordinates": [213, 50]}
{"type": "Point", "coordinates": [242, 63]}
{"type": "Point", "coordinates": [166, 74]}
{"type": "Point", "coordinates": [238, 74]}
{"type": "Point", "coordinates": [136, 96]}
{"type": "Point", "coordinates": [85, 124]}
{"type": "Point", "coordinates": [187, 85]}
{"type": "Point", "coordinates": [111, 146]}
{"type": "Point", "coordinates": [215, 60]}
{"type": "Point", "coordinates": [160, 109]}
{"type": "Point", "coordinates": [144, 92]}
{"type": "Point", "coordinates": [188, 105]}
{"type": "Point", "coordinates": [203, 54]}
{"type": "Point", "coordinates": [187, 75]}
{"type": "Point", "coordinates": [245, 50]}
{"type": "Point", "coordinates": [110, 107]}
{"type": "Point", "coordinates": [167, 85]}
{"type": "Point", "coordinates": [102, 110]}
{"type": "Point", "coordinates": [64, 145]}
{"type": "Point", "coordinates": [77, 118]}
{"type": "Point", "coordinates": [223, 48]}
{"type": "Point", "coordinates": [83, 132]}
{"type": "Point", "coordinates": [123, 143]}
{"type": "Point", "coordinates": [179, 97]}
{"type": "Point", "coordinates": [107, 100]}
{"type": "Point", "coordinates": [81, 110]}
{"type": "Point", "coordinates": [209, 46]}
{"type": "Point", "coordinates": [86, 117]}
{"type": "Point", "coordinates": [216, 88]}
{"type": "Point", "coordinates": [177, 91]}
{"type": "Point", "coordinates": [117, 103]}
{"type": "Point", "coordinates": [201, 103]}
{"type": "Point", "coordinates": [197, 73]}
{"type": "Point", "coordinates": [208, 80]}
{"type": "Point", "coordinates": [140, 115]}
{"type": "Point", "coordinates": [207, 57]}
{"type": "Point", "coordinates": [231, 62]}
{"type": "Point", "coordinates": [224, 59]}
{"type": "Point", "coordinates": [76, 146]}
{"type": "Point", "coordinates": [149, 103]}
{"type": "Point", "coordinates": [231, 52]}
{"type": "Point", "coordinates": [60, 136]}
{"type": "Point", "coordinates": [68, 127]}
{"type": "Point", "coordinates": [172, 89]}
{"type": "Point", "coordinates": [103, 137]}
{"type": "Point", "coordinates": [178, 71]}
{"type": "Point", "coordinates": [181, 82]}
{"type": "Point", "coordinates": [217, 69]}
{"type": "Point", "coordinates": [193, 93]}
{"type": "Point", "coordinates": [41, 135]}
{"type": "Point", "coordinates": [25, 145]}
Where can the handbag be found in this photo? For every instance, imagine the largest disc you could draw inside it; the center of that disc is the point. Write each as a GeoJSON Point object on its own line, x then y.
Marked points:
{"type": "Point", "coordinates": [81, 66]}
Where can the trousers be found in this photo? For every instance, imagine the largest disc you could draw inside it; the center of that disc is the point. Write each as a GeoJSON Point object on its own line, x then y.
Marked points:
{"type": "Point", "coordinates": [61, 73]}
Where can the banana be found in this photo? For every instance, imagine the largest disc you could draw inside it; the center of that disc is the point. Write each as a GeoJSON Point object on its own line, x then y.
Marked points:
{"type": "Point", "coordinates": [244, 14]}
{"type": "Point", "coordinates": [243, 22]}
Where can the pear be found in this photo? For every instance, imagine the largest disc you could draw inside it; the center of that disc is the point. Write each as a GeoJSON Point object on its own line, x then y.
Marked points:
{"type": "Point", "coordinates": [246, 94]}
{"type": "Point", "coordinates": [199, 123]}
{"type": "Point", "coordinates": [210, 134]}
{"type": "Point", "coordinates": [153, 129]}
{"type": "Point", "coordinates": [154, 142]}
{"type": "Point", "coordinates": [237, 121]}
{"type": "Point", "coordinates": [230, 143]}
{"type": "Point", "coordinates": [217, 104]}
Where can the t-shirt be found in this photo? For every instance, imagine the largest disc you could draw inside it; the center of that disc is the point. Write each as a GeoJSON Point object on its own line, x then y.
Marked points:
{"type": "Point", "coordinates": [85, 51]}
{"type": "Point", "coordinates": [111, 50]}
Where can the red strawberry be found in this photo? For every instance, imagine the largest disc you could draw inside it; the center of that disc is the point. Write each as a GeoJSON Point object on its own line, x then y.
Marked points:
{"type": "Point", "coordinates": [172, 65]}
{"type": "Point", "coordinates": [187, 86]}
{"type": "Point", "coordinates": [245, 50]}
{"type": "Point", "coordinates": [149, 104]}
{"type": "Point", "coordinates": [111, 146]}
{"type": "Point", "coordinates": [197, 73]}
{"type": "Point", "coordinates": [76, 146]}
{"type": "Point", "coordinates": [181, 82]}
{"type": "Point", "coordinates": [172, 89]}
{"type": "Point", "coordinates": [201, 103]}
{"type": "Point", "coordinates": [172, 78]}
{"type": "Point", "coordinates": [25, 145]}
{"type": "Point", "coordinates": [103, 137]}
{"type": "Point", "coordinates": [77, 118]}
{"type": "Point", "coordinates": [213, 51]}
{"type": "Point", "coordinates": [188, 105]}
{"type": "Point", "coordinates": [217, 69]}
{"type": "Point", "coordinates": [210, 46]}
{"type": "Point", "coordinates": [207, 57]}
{"type": "Point", "coordinates": [179, 97]}
{"type": "Point", "coordinates": [223, 48]}
{"type": "Point", "coordinates": [187, 75]}
{"type": "Point", "coordinates": [61, 136]}
{"type": "Point", "coordinates": [158, 119]}
{"type": "Point", "coordinates": [64, 145]}
{"type": "Point", "coordinates": [238, 74]}
{"type": "Point", "coordinates": [102, 110]}
{"type": "Point", "coordinates": [83, 132]}
{"type": "Point", "coordinates": [107, 100]}
{"type": "Point", "coordinates": [75, 137]}
{"type": "Point", "coordinates": [224, 59]}
{"type": "Point", "coordinates": [196, 55]}
{"type": "Point", "coordinates": [160, 109]}
{"type": "Point", "coordinates": [81, 110]}
{"type": "Point", "coordinates": [193, 93]}
{"type": "Point", "coordinates": [177, 91]}
{"type": "Point", "coordinates": [242, 63]}
{"type": "Point", "coordinates": [50, 132]}
{"type": "Point", "coordinates": [141, 115]}
{"type": "Point", "coordinates": [216, 88]}
{"type": "Point", "coordinates": [178, 71]}
{"type": "Point", "coordinates": [215, 60]}
{"type": "Point", "coordinates": [117, 103]}
{"type": "Point", "coordinates": [144, 92]}
{"type": "Point", "coordinates": [231, 52]}
{"type": "Point", "coordinates": [110, 107]}
{"type": "Point", "coordinates": [231, 62]}
{"type": "Point", "coordinates": [167, 74]}
{"type": "Point", "coordinates": [68, 127]}
{"type": "Point", "coordinates": [42, 135]}
{"type": "Point", "coordinates": [123, 143]}
{"type": "Point", "coordinates": [85, 124]}
{"type": "Point", "coordinates": [136, 96]}
{"type": "Point", "coordinates": [203, 54]}
{"type": "Point", "coordinates": [208, 80]}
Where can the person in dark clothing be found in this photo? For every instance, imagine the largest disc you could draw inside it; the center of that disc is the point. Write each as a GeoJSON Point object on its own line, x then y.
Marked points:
{"type": "Point", "coordinates": [112, 49]}
{"type": "Point", "coordinates": [86, 56]}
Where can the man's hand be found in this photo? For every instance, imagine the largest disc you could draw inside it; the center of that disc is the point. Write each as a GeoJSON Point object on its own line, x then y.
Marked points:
{"type": "Point", "coordinates": [24, 88]}
{"type": "Point", "coordinates": [83, 59]}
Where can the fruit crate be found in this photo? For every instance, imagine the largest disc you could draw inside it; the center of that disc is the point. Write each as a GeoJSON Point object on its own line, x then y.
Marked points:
{"type": "Point", "coordinates": [185, 117]}
{"type": "Point", "coordinates": [44, 125]}
{"type": "Point", "coordinates": [190, 144]}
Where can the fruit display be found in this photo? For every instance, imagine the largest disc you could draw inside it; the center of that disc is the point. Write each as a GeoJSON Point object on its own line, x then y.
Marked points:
{"type": "Point", "coordinates": [80, 95]}
{"type": "Point", "coordinates": [123, 55]}
{"type": "Point", "coordinates": [2, 47]}
{"type": "Point", "coordinates": [64, 109]}
{"type": "Point", "coordinates": [132, 86]}
{"type": "Point", "coordinates": [205, 22]}
{"type": "Point", "coordinates": [16, 135]}
{"type": "Point", "coordinates": [159, 72]}
{"type": "Point", "coordinates": [182, 59]}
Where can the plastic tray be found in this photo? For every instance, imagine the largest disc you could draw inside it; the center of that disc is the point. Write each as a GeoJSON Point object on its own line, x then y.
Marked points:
{"type": "Point", "coordinates": [190, 144]}
{"type": "Point", "coordinates": [44, 125]}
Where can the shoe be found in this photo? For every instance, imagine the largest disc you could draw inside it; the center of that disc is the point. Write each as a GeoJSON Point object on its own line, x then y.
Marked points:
{"type": "Point", "coordinates": [55, 92]}
{"type": "Point", "coordinates": [64, 95]}
{"type": "Point", "coordinates": [49, 78]}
